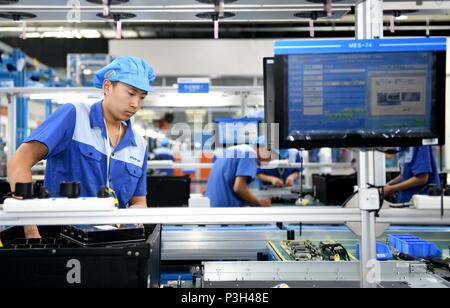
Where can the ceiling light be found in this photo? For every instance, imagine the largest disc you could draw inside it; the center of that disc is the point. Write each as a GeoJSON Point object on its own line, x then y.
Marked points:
{"type": "Point", "coordinates": [33, 35]}
{"type": "Point", "coordinates": [401, 17]}
{"type": "Point", "coordinates": [90, 34]}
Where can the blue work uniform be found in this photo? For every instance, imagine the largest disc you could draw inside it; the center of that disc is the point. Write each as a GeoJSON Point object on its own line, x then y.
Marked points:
{"type": "Point", "coordinates": [413, 162]}
{"type": "Point", "coordinates": [292, 155]}
{"type": "Point", "coordinates": [75, 136]}
{"type": "Point", "coordinates": [237, 161]}
{"type": "Point", "coordinates": [164, 154]}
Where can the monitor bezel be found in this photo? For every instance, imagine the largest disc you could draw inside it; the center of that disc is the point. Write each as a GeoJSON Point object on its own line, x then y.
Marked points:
{"type": "Point", "coordinates": [269, 106]}
{"type": "Point", "coordinates": [356, 141]}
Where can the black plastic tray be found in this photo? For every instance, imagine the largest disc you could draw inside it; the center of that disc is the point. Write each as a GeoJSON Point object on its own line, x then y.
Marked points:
{"type": "Point", "coordinates": [88, 235]}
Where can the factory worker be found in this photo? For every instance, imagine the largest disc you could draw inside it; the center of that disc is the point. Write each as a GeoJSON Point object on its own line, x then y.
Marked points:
{"type": "Point", "coordinates": [232, 171]}
{"type": "Point", "coordinates": [95, 145]}
{"type": "Point", "coordinates": [163, 152]}
{"type": "Point", "coordinates": [279, 177]}
{"type": "Point", "coordinates": [418, 170]}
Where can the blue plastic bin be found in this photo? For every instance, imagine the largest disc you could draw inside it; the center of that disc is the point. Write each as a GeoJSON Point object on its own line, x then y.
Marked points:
{"type": "Point", "coordinates": [413, 245]}
{"type": "Point", "coordinates": [395, 239]}
{"type": "Point", "coordinates": [383, 252]}
{"type": "Point", "coordinates": [420, 248]}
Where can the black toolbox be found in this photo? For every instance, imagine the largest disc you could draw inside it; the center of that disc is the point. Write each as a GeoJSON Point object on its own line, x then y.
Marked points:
{"type": "Point", "coordinates": [57, 262]}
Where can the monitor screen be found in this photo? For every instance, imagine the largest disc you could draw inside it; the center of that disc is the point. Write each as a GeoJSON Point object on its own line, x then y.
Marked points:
{"type": "Point", "coordinates": [160, 191]}
{"type": "Point", "coordinates": [360, 93]}
{"type": "Point", "coordinates": [237, 131]}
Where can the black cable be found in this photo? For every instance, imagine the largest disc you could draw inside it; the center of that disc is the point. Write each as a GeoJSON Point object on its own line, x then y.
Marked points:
{"type": "Point", "coordinates": [380, 197]}
{"type": "Point", "coordinates": [441, 163]}
{"type": "Point", "coordinates": [388, 151]}
{"type": "Point", "coordinates": [381, 194]}
{"type": "Point", "coordinates": [331, 250]}
{"type": "Point", "coordinates": [349, 198]}
{"type": "Point", "coordinates": [301, 176]}
{"type": "Point", "coordinates": [8, 195]}
{"type": "Point", "coordinates": [300, 193]}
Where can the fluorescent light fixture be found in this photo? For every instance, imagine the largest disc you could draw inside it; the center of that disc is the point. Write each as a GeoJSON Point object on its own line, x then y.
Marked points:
{"type": "Point", "coordinates": [64, 98]}
{"type": "Point", "coordinates": [129, 34]}
{"type": "Point", "coordinates": [63, 34]}
{"type": "Point", "coordinates": [109, 34]}
{"type": "Point", "coordinates": [90, 34]}
{"type": "Point", "coordinates": [33, 35]}
{"type": "Point", "coordinates": [401, 17]}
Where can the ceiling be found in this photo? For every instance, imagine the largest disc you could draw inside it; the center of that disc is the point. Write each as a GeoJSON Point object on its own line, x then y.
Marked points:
{"type": "Point", "coordinates": [178, 18]}
{"type": "Point", "coordinates": [157, 11]}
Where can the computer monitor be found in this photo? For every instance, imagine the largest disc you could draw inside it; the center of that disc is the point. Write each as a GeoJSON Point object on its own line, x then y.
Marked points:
{"type": "Point", "coordinates": [232, 131]}
{"type": "Point", "coordinates": [168, 191]}
{"type": "Point", "coordinates": [360, 93]}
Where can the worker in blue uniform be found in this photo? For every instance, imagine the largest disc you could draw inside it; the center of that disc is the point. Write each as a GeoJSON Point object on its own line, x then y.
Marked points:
{"type": "Point", "coordinates": [163, 152]}
{"type": "Point", "coordinates": [232, 171]}
{"type": "Point", "coordinates": [95, 145]}
{"type": "Point", "coordinates": [279, 177]}
{"type": "Point", "coordinates": [418, 170]}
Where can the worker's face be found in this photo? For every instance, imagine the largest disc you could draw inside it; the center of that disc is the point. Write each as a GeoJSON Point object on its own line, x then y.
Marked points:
{"type": "Point", "coordinates": [264, 155]}
{"type": "Point", "coordinates": [123, 100]}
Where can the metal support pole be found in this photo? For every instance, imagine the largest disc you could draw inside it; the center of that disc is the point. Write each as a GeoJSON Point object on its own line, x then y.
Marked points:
{"type": "Point", "coordinates": [11, 139]}
{"type": "Point", "coordinates": [369, 24]}
{"type": "Point", "coordinates": [369, 19]}
{"type": "Point", "coordinates": [244, 96]}
{"type": "Point", "coordinates": [21, 102]}
{"type": "Point", "coordinates": [368, 234]}
{"type": "Point", "coordinates": [48, 108]}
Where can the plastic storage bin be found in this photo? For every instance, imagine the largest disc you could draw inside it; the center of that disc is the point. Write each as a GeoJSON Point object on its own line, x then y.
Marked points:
{"type": "Point", "coordinates": [395, 240]}
{"type": "Point", "coordinates": [413, 246]}
{"type": "Point", "coordinates": [383, 252]}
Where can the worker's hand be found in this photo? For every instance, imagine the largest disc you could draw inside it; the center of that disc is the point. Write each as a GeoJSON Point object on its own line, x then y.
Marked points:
{"type": "Point", "coordinates": [137, 206]}
{"type": "Point", "coordinates": [276, 182]}
{"type": "Point", "coordinates": [32, 232]}
{"type": "Point", "coordinates": [291, 180]}
{"type": "Point", "coordinates": [265, 202]}
{"type": "Point", "coordinates": [388, 190]}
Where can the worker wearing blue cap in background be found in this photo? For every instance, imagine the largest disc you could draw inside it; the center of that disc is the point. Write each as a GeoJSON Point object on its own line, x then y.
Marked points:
{"type": "Point", "coordinates": [163, 152]}
{"type": "Point", "coordinates": [95, 145]}
{"type": "Point", "coordinates": [418, 170]}
{"type": "Point", "coordinates": [279, 177]}
{"type": "Point", "coordinates": [232, 171]}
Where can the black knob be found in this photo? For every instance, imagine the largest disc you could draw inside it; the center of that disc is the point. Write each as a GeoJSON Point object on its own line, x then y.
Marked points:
{"type": "Point", "coordinates": [447, 190]}
{"type": "Point", "coordinates": [24, 190]}
{"type": "Point", "coordinates": [443, 178]}
{"type": "Point", "coordinates": [69, 189]}
{"type": "Point", "coordinates": [44, 193]}
{"type": "Point", "coordinates": [103, 192]}
{"type": "Point", "coordinates": [433, 190]}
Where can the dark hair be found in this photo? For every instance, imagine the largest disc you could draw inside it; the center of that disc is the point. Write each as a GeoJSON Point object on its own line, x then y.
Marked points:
{"type": "Point", "coordinates": [169, 117]}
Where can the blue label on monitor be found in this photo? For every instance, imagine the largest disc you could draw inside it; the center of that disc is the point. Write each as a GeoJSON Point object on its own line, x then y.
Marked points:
{"type": "Point", "coordinates": [356, 46]}
{"type": "Point", "coordinates": [193, 88]}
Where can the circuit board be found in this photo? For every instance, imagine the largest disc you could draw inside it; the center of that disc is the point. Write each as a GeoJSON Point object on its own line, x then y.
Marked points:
{"type": "Point", "coordinates": [307, 251]}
